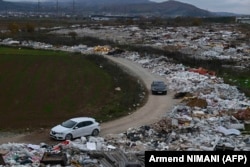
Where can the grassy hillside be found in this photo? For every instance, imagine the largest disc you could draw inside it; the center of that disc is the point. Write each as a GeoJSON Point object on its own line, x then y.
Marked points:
{"type": "Point", "coordinates": [41, 88]}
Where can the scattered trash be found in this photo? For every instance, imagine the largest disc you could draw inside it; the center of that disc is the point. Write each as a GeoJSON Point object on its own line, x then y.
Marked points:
{"type": "Point", "coordinates": [102, 49]}
{"type": "Point", "coordinates": [202, 71]}
{"type": "Point", "coordinates": [243, 114]}
{"type": "Point", "coordinates": [228, 131]}
{"type": "Point", "coordinates": [54, 159]}
{"type": "Point", "coordinates": [209, 118]}
{"type": "Point", "coordinates": [196, 102]}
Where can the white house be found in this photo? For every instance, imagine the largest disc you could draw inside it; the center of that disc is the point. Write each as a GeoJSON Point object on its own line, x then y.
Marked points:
{"type": "Point", "coordinates": [244, 19]}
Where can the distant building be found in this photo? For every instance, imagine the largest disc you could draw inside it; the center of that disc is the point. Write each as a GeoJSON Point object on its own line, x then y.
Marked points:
{"type": "Point", "coordinates": [112, 17]}
{"type": "Point", "coordinates": [245, 19]}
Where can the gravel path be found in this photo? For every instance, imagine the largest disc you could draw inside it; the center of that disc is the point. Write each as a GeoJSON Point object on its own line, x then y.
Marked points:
{"type": "Point", "coordinates": [151, 112]}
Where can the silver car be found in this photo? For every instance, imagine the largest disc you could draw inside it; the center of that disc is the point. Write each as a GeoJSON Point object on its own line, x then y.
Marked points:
{"type": "Point", "coordinates": [158, 87]}
{"type": "Point", "coordinates": [74, 128]}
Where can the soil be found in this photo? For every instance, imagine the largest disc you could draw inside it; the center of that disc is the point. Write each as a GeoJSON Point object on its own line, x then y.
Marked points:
{"type": "Point", "coordinates": [153, 110]}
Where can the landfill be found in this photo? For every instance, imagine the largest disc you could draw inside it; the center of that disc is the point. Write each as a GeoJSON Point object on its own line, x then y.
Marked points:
{"type": "Point", "coordinates": [218, 41]}
{"type": "Point", "coordinates": [211, 116]}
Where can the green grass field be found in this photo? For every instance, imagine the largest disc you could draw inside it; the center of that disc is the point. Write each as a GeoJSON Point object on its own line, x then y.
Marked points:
{"type": "Point", "coordinates": [238, 78]}
{"type": "Point", "coordinates": [40, 88]}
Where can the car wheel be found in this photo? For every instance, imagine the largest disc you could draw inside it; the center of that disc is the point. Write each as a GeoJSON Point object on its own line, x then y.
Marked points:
{"type": "Point", "coordinates": [68, 137]}
{"type": "Point", "coordinates": [95, 132]}
{"type": "Point", "coordinates": [153, 92]}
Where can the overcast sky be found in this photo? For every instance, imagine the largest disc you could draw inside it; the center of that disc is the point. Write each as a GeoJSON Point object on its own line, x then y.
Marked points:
{"type": "Point", "coordinates": [233, 6]}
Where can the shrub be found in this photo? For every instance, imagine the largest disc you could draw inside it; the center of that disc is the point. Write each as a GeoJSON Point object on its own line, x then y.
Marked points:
{"type": "Point", "coordinates": [29, 27]}
{"type": "Point", "coordinates": [13, 28]}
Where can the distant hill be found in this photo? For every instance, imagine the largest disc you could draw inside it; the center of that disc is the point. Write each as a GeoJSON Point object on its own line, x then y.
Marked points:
{"type": "Point", "coordinates": [139, 7]}
{"type": "Point", "coordinates": [226, 14]}
{"type": "Point", "coordinates": [175, 8]}
{"type": "Point", "coordinates": [16, 6]}
{"type": "Point", "coordinates": [93, 3]}
{"type": "Point", "coordinates": [169, 8]}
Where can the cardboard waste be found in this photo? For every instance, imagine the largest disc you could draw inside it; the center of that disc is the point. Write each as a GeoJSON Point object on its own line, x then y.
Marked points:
{"type": "Point", "coordinates": [102, 49]}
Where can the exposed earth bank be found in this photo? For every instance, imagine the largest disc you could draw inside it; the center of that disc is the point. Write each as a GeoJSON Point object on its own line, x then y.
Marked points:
{"type": "Point", "coordinates": [153, 110]}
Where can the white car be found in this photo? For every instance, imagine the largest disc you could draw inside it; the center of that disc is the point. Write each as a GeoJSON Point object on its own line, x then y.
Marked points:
{"type": "Point", "coordinates": [74, 128]}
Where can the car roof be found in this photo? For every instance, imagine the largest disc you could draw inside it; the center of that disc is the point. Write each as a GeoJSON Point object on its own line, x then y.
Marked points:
{"type": "Point", "coordinates": [80, 119]}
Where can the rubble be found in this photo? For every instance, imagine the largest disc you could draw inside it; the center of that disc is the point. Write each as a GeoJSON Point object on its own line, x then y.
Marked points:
{"type": "Point", "coordinates": [69, 153]}
{"type": "Point", "coordinates": [102, 49]}
{"type": "Point", "coordinates": [206, 115]}
{"type": "Point", "coordinates": [202, 71]}
{"type": "Point", "coordinates": [243, 114]}
{"type": "Point", "coordinates": [204, 42]}
{"type": "Point", "coordinates": [212, 115]}
{"type": "Point", "coordinates": [196, 102]}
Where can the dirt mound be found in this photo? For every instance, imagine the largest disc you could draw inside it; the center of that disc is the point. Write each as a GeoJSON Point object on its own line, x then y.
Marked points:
{"type": "Point", "coordinates": [196, 102]}
{"type": "Point", "coordinates": [243, 114]}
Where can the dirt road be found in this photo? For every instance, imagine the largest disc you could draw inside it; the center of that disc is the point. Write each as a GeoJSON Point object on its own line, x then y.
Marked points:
{"type": "Point", "coordinates": [151, 112]}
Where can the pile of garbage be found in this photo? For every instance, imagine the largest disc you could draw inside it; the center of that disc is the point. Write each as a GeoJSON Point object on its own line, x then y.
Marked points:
{"type": "Point", "coordinates": [212, 116]}
{"type": "Point", "coordinates": [88, 152]}
{"type": "Point", "coordinates": [211, 111]}
{"type": "Point", "coordinates": [102, 49]}
{"type": "Point", "coordinates": [217, 41]}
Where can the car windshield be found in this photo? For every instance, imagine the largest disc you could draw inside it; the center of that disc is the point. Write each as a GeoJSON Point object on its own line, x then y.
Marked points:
{"type": "Point", "coordinates": [68, 124]}
{"type": "Point", "coordinates": [159, 84]}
